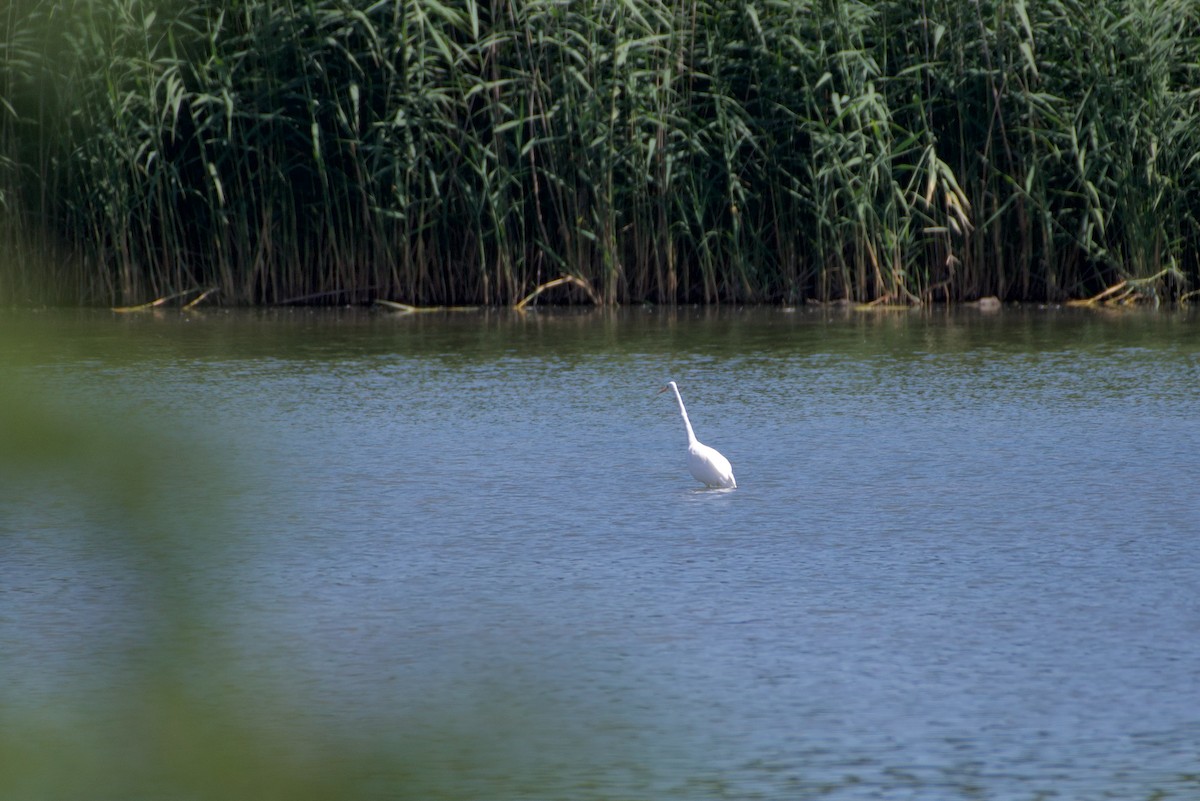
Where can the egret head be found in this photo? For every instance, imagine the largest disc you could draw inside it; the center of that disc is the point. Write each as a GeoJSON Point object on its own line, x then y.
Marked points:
{"type": "Point", "coordinates": [670, 385]}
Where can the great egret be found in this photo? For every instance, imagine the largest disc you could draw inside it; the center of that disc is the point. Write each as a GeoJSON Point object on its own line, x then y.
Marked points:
{"type": "Point", "coordinates": [707, 465]}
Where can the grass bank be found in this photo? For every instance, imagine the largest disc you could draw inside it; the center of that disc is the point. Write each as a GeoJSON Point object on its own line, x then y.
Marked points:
{"type": "Point", "coordinates": [666, 151]}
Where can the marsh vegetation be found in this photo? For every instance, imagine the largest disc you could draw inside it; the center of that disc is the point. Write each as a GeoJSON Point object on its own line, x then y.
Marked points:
{"type": "Point", "coordinates": [433, 152]}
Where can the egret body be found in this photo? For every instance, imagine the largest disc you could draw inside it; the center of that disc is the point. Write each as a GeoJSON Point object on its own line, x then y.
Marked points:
{"type": "Point", "coordinates": [707, 465]}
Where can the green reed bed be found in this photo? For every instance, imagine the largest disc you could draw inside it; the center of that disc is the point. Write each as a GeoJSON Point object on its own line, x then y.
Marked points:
{"type": "Point", "coordinates": [659, 150]}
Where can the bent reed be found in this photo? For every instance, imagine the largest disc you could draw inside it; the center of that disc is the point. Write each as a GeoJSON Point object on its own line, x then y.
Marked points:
{"type": "Point", "coordinates": [445, 152]}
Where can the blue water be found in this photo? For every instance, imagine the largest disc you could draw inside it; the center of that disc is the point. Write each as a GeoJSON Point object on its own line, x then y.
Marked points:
{"type": "Point", "coordinates": [962, 560]}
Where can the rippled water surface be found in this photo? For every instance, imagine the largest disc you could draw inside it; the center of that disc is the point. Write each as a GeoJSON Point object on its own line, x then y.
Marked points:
{"type": "Point", "coordinates": [962, 561]}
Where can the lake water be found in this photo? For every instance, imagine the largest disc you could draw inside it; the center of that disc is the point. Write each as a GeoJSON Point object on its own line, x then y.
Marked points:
{"type": "Point", "coordinates": [962, 560]}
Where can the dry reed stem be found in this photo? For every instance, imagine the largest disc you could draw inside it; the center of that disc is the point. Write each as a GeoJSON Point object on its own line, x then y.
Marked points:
{"type": "Point", "coordinates": [566, 279]}
{"type": "Point", "coordinates": [404, 308]}
{"type": "Point", "coordinates": [1092, 301]}
{"type": "Point", "coordinates": [1130, 288]}
{"type": "Point", "coordinates": [160, 301]}
{"type": "Point", "coordinates": [194, 303]}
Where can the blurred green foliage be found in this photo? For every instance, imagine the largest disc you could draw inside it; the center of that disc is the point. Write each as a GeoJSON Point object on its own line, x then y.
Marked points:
{"type": "Point", "coordinates": [151, 705]}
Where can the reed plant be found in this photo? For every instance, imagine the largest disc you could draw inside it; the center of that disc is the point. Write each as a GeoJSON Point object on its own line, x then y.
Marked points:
{"type": "Point", "coordinates": [664, 151]}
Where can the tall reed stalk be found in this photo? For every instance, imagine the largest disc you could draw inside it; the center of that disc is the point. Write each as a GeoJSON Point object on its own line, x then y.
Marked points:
{"type": "Point", "coordinates": [661, 150]}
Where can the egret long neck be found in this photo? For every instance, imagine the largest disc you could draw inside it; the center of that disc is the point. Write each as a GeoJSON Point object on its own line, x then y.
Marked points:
{"type": "Point", "coordinates": [686, 422]}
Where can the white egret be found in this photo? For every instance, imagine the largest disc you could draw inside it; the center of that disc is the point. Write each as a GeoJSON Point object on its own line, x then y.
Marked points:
{"type": "Point", "coordinates": [707, 465]}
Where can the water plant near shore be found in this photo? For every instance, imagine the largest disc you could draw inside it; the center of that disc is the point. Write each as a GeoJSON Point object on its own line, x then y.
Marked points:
{"type": "Point", "coordinates": [682, 151]}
